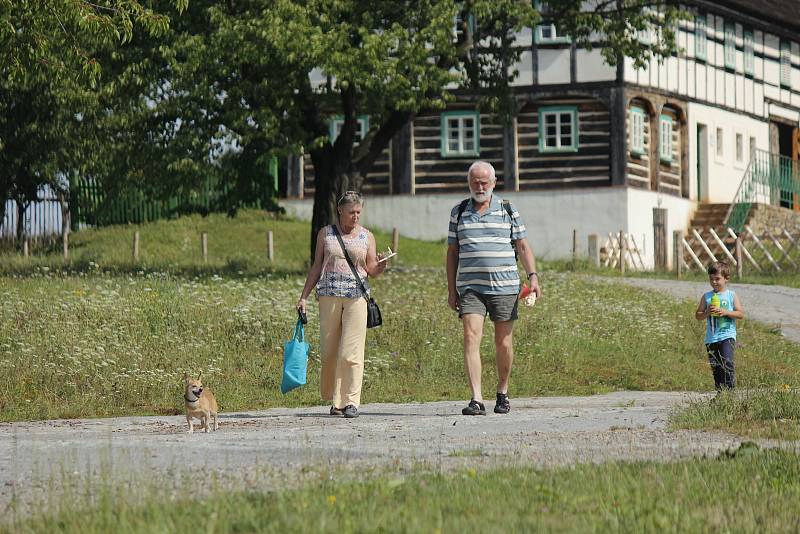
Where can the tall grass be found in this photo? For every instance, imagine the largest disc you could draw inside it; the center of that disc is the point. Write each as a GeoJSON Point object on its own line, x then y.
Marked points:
{"type": "Point", "coordinates": [745, 490]}
{"type": "Point", "coordinates": [758, 413]}
{"type": "Point", "coordinates": [107, 337]}
{"type": "Point", "coordinates": [108, 344]}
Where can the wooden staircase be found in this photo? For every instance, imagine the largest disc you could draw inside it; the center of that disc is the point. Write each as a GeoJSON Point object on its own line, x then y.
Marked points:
{"type": "Point", "coordinates": [710, 217]}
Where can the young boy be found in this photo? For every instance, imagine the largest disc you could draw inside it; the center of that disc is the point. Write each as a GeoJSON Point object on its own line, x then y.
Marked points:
{"type": "Point", "coordinates": [720, 308]}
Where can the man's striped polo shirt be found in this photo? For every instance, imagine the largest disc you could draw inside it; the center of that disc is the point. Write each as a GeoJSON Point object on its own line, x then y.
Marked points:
{"type": "Point", "coordinates": [486, 262]}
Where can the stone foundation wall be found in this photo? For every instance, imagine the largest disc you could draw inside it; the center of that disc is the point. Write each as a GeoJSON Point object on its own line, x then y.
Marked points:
{"type": "Point", "coordinates": [774, 219]}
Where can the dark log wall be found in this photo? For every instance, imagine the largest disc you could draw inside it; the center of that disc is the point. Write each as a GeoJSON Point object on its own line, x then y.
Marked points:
{"type": "Point", "coordinates": [588, 166]}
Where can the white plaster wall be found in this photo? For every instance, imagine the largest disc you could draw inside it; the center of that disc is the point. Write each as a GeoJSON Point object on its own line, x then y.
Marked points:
{"type": "Point", "coordinates": [525, 69]}
{"type": "Point", "coordinates": [724, 173]}
{"type": "Point", "coordinates": [591, 67]}
{"type": "Point", "coordinates": [554, 66]}
{"type": "Point", "coordinates": [550, 216]}
{"type": "Point", "coordinates": [640, 220]}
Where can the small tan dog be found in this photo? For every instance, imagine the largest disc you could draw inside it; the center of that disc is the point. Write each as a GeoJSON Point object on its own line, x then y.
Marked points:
{"type": "Point", "coordinates": [200, 403]}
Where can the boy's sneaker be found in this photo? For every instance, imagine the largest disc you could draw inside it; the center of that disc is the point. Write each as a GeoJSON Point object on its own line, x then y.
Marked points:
{"type": "Point", "coordinates": [336, 411]}
{"type": "Point", "coordinates": [474, 408]}
{"type": "Point", "coordinates": [502, 405]}
{"type": "Point", "coordinates": [350, 411]}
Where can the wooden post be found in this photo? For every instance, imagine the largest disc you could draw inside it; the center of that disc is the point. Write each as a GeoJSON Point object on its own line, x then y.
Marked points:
{"type": "Point", "coordinates": [660, 238]}
{"type": "Point", "coordinates": [65, 241]}
{"type": "Point", "coordinates": [136, 246]}
{"type": "Point", "coordinates": [402, 167]}
{"type": "Point", "coordinates": [204, 246]}
{"type": "Point", "coordinates": [510, 156]}
{"type": "Point", "coordinates": [739, 265]}
{"type": "Point", "coordinates": [594, 250]}
{"type": "Point", "coordinates": [395, 239]}
{"type": "Point", "coordinates": [622, 252]}
{"type": "Point", "coordinates": [574, 245]}
{"type": "Point", "coordinates": [677, 257]}
{"type": "Point", "coordinates": [270, 249]}
{"type": "Point", "coordinates": [26, 251]}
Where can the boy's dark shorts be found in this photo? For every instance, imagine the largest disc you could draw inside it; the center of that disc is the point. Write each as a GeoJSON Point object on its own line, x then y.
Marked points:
{"type": "Point", "coordinates": [500, 307]}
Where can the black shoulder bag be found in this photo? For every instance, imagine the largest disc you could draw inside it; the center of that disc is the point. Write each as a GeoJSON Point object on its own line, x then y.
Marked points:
{"type": "Point", "coordinates": [373, 312]}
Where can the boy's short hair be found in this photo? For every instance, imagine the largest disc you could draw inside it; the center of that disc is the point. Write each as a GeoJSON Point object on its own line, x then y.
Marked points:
{"type": "Point", "coordinates": [719, 267]}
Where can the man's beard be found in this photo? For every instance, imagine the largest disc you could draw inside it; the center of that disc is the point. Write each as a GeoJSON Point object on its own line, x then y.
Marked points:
{"type": "Point", "coordinates": [483, 196]}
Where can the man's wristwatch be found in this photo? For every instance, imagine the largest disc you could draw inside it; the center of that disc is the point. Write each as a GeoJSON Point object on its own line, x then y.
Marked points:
{"type": "Point", "coordinates": [533, 274]}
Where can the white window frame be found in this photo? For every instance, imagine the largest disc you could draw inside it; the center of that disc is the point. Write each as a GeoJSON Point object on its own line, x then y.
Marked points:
{"type": "Point", "coordinates": [753, 147]}
{"type": "Point", "coordinates": [553, 38]}
{"type": "Point", "coordinates": [719, 142]}
{"type": "Point", "coordinates": [559, 112]}
{"type": "Point", "coordinates": [730, 46]}
{"type": "Point", "coordinates": [665, 138]}
{"type": "Point", "coordinates": [701, 37]}
{"type": "Point", "coordinates": [461, 118]}
{"type": "Point", "coordinates": [738, 149]}
{"type": "Point", "coordinates": [457, 25]}
{"type": "Point", "coordinates": [337, 123]}
{"type": "Point", "coordinates": [638, 117]}
{"type": "Point", "coordinates": [749, 52]}
{"type": "Point", "coordinates": [786, 63]}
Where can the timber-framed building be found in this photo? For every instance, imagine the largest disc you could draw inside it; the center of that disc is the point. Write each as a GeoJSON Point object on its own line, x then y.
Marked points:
{"type": "Point", "coordinates": [594, 148]}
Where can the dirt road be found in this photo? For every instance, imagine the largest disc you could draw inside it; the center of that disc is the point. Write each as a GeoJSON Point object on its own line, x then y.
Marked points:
{"type": "Point", "coordinates": [267, 448]}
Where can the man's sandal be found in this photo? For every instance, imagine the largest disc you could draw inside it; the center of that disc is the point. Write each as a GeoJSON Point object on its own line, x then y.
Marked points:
{"type": "Point", "coordinates": [474, 408]}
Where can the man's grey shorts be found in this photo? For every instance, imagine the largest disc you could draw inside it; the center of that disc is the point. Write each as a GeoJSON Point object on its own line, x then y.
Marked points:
{"type": "Point", "coordinates": [500, 307]}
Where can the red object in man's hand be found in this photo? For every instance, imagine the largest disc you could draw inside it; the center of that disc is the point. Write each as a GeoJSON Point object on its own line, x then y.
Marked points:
{"type": "Point", "coordinates": [525, 291]}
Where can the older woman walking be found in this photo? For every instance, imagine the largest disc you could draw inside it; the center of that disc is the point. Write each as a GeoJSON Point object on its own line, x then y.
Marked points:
{"type": "Point", "coordinates": [342, 306]}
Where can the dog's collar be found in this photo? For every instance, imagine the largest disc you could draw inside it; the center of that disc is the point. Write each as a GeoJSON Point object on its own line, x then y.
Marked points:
{"type": "Point", "coordinates": [187, 399]}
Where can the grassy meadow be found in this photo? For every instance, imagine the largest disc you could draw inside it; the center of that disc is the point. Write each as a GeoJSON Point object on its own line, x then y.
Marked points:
{"type": "Point", "coordinates": [101, 336]}
{"type": "Point", "coordinates": [743, 490]}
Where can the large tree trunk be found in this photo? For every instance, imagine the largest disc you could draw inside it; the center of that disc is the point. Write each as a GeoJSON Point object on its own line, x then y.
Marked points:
{"type": "Point", "coordinates": [325, 190]}
{"type": "Point", "coordinates": [21, 208]}
{"type": "Point", "coordinates": [330, 180]}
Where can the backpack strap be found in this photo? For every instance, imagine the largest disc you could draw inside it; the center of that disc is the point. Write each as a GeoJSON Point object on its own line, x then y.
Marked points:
{"type": "Point", "coordinates": [507, 206]}
{"type": "Point", "coordinates": [461, 207]}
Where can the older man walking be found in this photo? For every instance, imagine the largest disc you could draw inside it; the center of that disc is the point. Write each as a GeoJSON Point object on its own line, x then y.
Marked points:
{"type": "Point", "coordinates": [482, 278]}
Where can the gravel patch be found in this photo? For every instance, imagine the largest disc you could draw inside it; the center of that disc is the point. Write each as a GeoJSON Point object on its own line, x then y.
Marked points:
{"type": "Point", "coordinates": [272, 448]}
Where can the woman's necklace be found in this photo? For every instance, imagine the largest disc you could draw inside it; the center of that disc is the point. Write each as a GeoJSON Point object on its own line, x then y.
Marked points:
{"type": "Point", "coordinates": [345, 232]}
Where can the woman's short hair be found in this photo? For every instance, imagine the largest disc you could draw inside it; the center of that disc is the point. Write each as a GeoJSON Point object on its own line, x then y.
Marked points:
{"type": "Point", "coordinates": [350, 197]}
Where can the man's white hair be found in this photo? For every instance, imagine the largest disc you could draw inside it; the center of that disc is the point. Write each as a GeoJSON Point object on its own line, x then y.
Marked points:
{"type": "Point", "coordinates": [484, 165]}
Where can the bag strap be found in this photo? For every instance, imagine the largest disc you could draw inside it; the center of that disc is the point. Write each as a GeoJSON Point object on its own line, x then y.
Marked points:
{"type": "Point", "coordinates": [349, 261]}
{"type": "Point", "coordinates": [299, 331]}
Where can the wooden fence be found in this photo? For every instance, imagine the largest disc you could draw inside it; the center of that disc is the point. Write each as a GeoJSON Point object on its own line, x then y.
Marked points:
{"type": "Point", "coordinates": [41, 219]}
{"type": "Point", "coordinates": [617, 251]}
{"type": "Point", "coordinates": [768, 251]}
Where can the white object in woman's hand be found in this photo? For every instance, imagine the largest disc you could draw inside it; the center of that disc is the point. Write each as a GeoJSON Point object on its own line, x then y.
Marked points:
{"type": "Point", "coordinates": [389, 255]}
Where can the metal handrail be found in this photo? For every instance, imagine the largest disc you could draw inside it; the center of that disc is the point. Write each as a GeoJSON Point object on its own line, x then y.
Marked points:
{"type": "Point", "coordinates": [768, 179]}
{"type": "Point", "coordinates": [738, 191]}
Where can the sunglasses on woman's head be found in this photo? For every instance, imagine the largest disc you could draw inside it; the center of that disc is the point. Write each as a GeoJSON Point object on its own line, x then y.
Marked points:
{"type": "Point", "coordinates": [349, 196]}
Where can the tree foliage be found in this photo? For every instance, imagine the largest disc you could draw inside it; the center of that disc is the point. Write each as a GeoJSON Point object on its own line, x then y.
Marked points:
{"type": "Point", "coordinates": [49, 76]}
{"type": "Point", "coordinates": [268, 76]}
{"type": "Point", "coordinates": [220, 89]}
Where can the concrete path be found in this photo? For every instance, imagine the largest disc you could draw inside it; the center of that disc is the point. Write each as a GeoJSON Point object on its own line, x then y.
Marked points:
{"type": "Point", "coordinates": [776, 306]}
